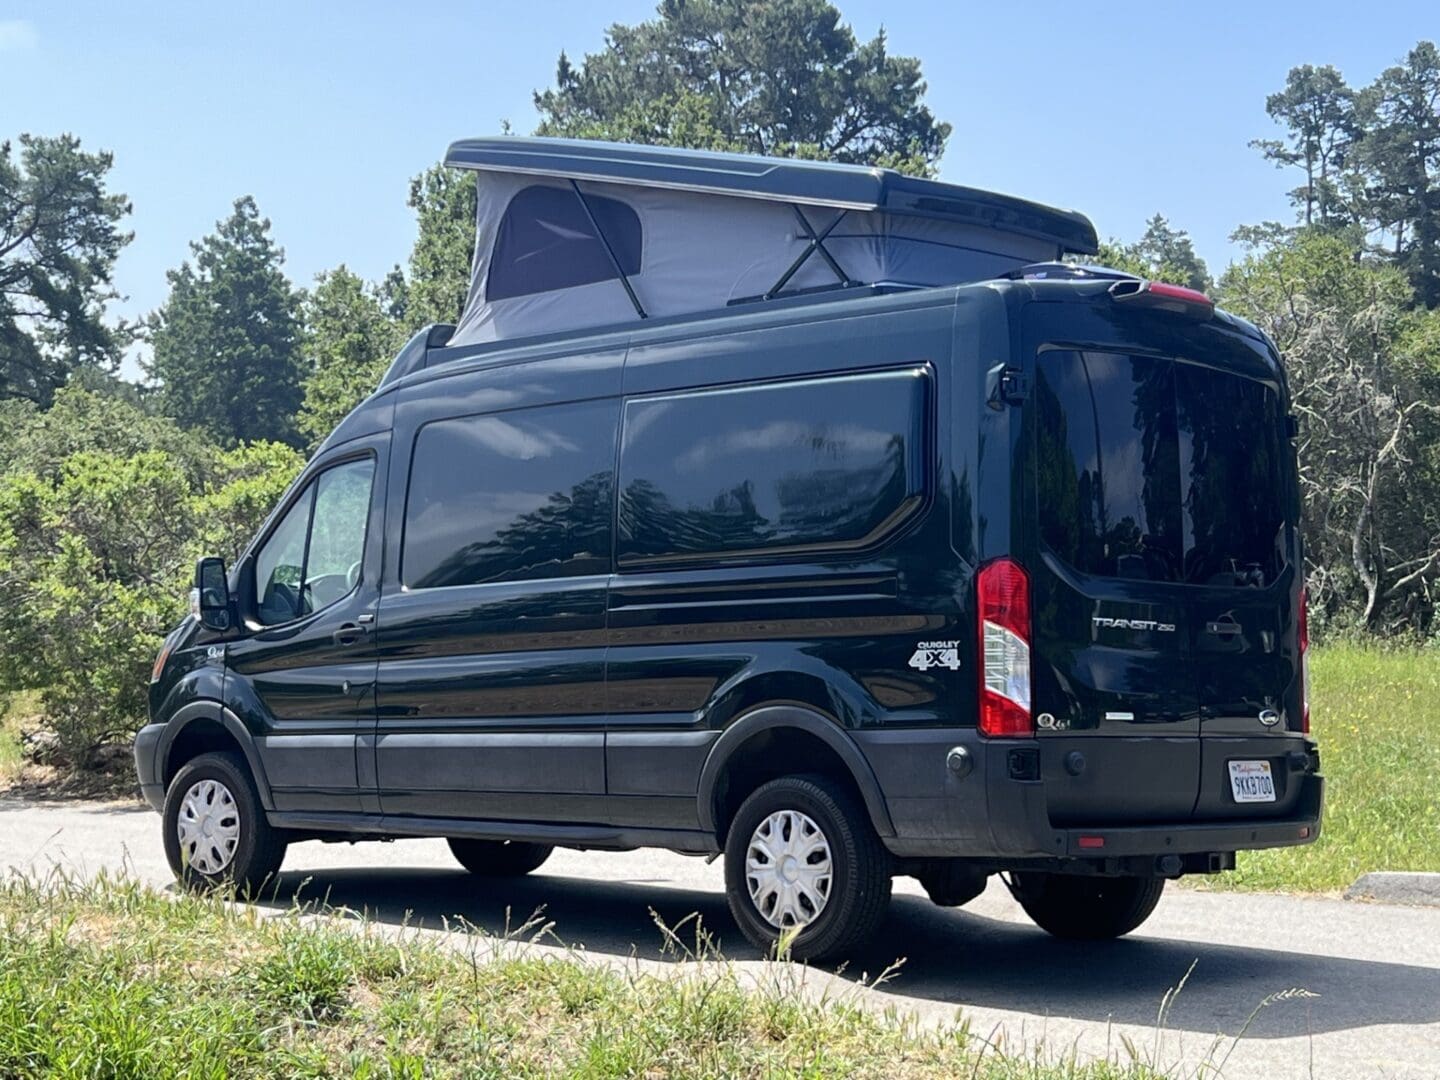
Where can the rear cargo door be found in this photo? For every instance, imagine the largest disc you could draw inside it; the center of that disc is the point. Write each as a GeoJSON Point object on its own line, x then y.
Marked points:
{"type": "Point", "coordinates": [1115, 701]}
{"type": "Point", "coordinates": [1237, 495]}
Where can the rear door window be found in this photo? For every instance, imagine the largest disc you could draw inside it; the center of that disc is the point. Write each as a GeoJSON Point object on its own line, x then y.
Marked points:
{"type": "Point", "coordinates": [1157, 470]}
{"type": "Point", "coordinates": [1231, 461]}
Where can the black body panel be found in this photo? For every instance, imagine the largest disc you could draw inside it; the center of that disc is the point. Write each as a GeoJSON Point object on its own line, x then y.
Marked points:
{"type": "Point", "coordinates": [1146, 432]}
{"type": "Point", "coordinates": [806, 588]}
{"type": "Point", "coordinates": [305, 687]}
{"type": "Point", "coordinates": [600, 575]}
{"type": "Point", "coordinates": [492, 660]}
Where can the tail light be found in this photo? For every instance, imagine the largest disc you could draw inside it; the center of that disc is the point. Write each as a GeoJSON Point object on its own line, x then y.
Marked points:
{"type": "Point", "coordinates": [1159, 296]}
{"type": "Point", "coordinates": [1304, 663]}
{"type": "Point", "coordinates": [1002, 591]}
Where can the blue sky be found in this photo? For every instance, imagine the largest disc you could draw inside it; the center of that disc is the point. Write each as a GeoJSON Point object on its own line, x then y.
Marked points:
{"type": "Point", "coordinates": [324, 110]}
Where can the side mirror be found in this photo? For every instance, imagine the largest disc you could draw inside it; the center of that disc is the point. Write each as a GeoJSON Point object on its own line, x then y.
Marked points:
{"type": "Point", "coordinates": [210, 599]}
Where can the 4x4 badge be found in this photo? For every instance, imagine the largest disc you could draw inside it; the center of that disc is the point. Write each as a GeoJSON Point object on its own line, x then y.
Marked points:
{"type": "Point", "coordinates": [930, 654]}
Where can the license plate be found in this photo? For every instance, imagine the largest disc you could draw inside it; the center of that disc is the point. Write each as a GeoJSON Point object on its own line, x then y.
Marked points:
{"type": "Point", "coordinates": [1251, 781]}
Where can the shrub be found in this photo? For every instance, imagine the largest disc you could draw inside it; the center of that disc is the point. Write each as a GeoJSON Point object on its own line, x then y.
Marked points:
{"type": "Point", "coordinates": [101, 519]}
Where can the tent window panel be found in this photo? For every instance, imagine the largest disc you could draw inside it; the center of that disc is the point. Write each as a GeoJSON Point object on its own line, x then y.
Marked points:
{"type": "Point", "coordinates": [546, 242]}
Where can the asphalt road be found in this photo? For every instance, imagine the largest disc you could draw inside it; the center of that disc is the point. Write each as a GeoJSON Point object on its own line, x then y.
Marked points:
{"type": "Point", "coordinates": [1376, 968]}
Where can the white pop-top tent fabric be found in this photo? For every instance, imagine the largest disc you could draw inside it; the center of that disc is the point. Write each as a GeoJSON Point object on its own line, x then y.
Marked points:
{"type": "Point", "coordinates": [542, 267]}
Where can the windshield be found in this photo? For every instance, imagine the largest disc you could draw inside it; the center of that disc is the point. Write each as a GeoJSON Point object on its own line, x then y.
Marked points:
{"type": "Point", "coordinates": [1158, 470]}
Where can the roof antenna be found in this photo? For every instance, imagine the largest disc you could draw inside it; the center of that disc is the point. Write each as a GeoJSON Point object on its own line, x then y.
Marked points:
{"type": "Point", "coordinates": [614, 262]}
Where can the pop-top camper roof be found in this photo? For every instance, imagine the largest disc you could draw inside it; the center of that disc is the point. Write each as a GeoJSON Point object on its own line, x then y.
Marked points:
{"type": "Point", "coordinates": [574, 234]}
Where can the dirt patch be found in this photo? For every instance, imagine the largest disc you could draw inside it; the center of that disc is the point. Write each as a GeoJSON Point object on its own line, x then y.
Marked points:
{"type": "Point", "coordinates": [111, 780]}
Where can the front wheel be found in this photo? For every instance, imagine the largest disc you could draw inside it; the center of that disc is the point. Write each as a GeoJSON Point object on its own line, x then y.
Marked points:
{"type": "Point", "coordinates": [802, 861]}
{"type": "Point", "coordinates": [215, 831]}
{"type": "Point", "coordinates": [1084, 908]}
{"type": "Point", "coordinates": [498, 858]}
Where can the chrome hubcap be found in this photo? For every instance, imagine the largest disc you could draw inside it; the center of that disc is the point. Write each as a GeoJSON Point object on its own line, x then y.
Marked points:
{"type": "Point", "coordinates": [208, 826]}
{"type": "Point", "coordinates": [787, 869]}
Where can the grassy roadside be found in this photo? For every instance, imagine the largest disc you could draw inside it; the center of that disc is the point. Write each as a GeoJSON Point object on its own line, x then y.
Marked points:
{"type": "Point", "coordinates": [1376, 715]}
{"type": "Point", "coordinates": [114, 979]}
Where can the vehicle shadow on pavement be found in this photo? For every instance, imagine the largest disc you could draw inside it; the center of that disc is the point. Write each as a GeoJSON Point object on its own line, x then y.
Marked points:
{"type": "Point", "coordinates": [949, 956]}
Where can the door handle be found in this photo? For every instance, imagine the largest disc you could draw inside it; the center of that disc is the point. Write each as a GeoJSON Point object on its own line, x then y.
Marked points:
{"type": "Point", "coordinates": [349, 633]}
{"type": "Point", "coordinates": [1223, 629]}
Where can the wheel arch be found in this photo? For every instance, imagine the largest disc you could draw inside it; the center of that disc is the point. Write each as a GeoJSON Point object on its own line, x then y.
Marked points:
{"type": "Point", "coordinates": [204, 726]}
{"type": "Point", "coordinates": [765, 722]}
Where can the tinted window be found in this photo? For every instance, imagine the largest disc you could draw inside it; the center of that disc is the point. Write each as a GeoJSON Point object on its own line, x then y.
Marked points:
{"type": "Point", "coordinates": [813, 464]}
{"type": "Point", "coordinates": [1232, 456]}
{"type": "Point", "coordinates": [281, 562]}
{"type": "Point", "coordinates": [323, 550]}
{"type": "Point", "coordinates": [1109, 464]}
{"type": "Point", "coordinates": [337, 534]}
{"type": "Point", "coordinates": [1157, 470]}
{"type": "Point", "coordinates": [510, 496]}
{"type": "Point", "coordinates": [546, 241]}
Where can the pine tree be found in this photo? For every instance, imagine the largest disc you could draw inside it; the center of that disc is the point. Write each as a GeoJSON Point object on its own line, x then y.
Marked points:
{"type": "Point", "coordinates": [784, 77]}
{"type": "Point", "coordinates": [227, 341]}
{"type": "Point", "coordinates": [59, 237]}
{"type": "Point", "coordinates": [351, 337]}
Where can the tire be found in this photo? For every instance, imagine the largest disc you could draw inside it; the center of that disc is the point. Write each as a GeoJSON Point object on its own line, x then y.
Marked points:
{"type": "Point", "coordinates": [219, 783]}
{"type": "Point", "coordinates": [856, 894]}
{"type": "Point", "coordinates": [498, 858]}
{"type": "Point", "coordinates": [1082, 908]}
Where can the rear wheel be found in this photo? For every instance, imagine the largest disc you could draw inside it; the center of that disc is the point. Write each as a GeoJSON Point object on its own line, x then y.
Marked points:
{"type": "Point", "coordinates": [499, 858]}
{"type": "Point", "coordinates": [1084, 908]}
{"type": "Point", "coordinates": [215, 831]}
{"type": "Point", "coordinates": [802, 860]}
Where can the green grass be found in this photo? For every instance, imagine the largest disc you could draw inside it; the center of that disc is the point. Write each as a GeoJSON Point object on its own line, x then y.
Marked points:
{"type": "Point", "coordinates": [1376, 715]}
{"type": "Point", "coordinates": [114, 979]}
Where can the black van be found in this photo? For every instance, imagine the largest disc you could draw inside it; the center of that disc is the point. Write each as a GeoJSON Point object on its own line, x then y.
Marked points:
{"type": "Point", "coordinates": [848, 577]}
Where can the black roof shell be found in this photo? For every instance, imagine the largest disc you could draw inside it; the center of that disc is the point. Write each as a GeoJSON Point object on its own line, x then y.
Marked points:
{"type": "Point", "coordinates": [815, 183]}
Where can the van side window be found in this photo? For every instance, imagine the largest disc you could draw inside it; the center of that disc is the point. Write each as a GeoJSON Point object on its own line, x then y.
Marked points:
{"type": "Point", "coordinates": [313, 557]}
{"type": "Point", "coordinates": [787, 467]}
{"type": "Point", "coordinates": [511, 496]}
{"type": "Point", "coordinates": [546, 242]}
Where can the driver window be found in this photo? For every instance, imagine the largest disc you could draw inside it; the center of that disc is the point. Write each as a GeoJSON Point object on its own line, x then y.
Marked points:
{"type": "Point", "coordinates": [337, 537]}
{"type": "Point", "coordinates": [312, 560]}
{"type": "Point", "coordinates": [279, 565]}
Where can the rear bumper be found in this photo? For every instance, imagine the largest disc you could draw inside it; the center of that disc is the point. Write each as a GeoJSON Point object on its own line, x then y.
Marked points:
{"type": "Point", "coordinates": [1302, 827]}
{"type": "Point", "coordinates": [988, 812]}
